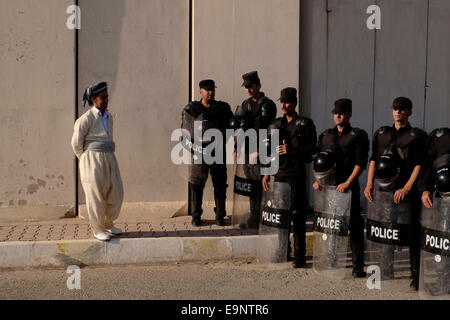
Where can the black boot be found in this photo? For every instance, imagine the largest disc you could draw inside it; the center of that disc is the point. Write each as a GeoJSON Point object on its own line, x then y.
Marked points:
{"type": "Point", "coordinates": [358, 259]}
{"type": "Point", "coordinates": [299, 252]}
{"type": "Point", "coordinates": [220, 210]}
{"type": "Point", "coordinates": [196, 204]}
{"type": "Point", "coordinates": [255, 206]}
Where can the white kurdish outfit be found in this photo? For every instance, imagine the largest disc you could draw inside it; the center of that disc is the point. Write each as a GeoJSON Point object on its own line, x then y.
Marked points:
{"type": "Point", "coordinates": [92, 143]}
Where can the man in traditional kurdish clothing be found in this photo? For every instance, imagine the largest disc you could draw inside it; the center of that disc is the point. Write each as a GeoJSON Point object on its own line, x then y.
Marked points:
{"type": "Point", "coordinates": [93, 144]}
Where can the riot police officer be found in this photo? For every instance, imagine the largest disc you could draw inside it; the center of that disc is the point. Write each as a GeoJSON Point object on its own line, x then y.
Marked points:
{"type": "Point", "coordinates": [298, 145]}
{"type": "Point", "coordinates": [437, 157]}
{"type": "Point", "coordinates": [435, 180]}
{"type": "Point", "coordinates": [256, 112]}
{"type": "Point", "coordinates": [403, 145]}
{"type": "Point", "coordinates": [217, 115]}
{"type": "Point", "coordinates": [349, 147]}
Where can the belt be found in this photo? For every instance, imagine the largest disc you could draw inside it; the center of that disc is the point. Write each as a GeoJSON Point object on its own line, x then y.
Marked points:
{"type": "Point", "coordinates": [100, 146]}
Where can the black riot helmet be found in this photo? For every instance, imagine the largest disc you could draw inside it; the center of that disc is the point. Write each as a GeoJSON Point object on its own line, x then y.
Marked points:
{"type": "Point", "coordinates": [387, 171]}
{"type": "Point", "coordinates": [443, 182]}
{"type": "Point", "coordinates": [324, 167]}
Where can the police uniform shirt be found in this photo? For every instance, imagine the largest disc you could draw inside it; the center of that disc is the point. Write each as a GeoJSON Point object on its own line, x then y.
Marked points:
{"type": "Point", "coordinates": [352, 149]}
{"type": "Point", "coordinates": [300, 135]}
{"type": "Point", "coordinates": [409, 144]}
{"type": "Point", "coordinates": [254, 109]}
{"type": "Point", "coordinates": [219, 113]}
{"type": "Point", "coordinates": [438, 144]}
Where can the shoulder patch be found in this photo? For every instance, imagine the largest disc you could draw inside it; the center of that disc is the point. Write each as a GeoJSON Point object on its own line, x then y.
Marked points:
{"type": "Point", "coordinates": [383, 130]}
{"type": "Point", "coordinates": [301, 122]}
{"type": "Point", "coordinates": [440, 132]}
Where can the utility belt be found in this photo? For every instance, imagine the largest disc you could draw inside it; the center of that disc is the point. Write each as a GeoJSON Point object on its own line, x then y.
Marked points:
{"type": "Point", "coordinates": [100, 146]}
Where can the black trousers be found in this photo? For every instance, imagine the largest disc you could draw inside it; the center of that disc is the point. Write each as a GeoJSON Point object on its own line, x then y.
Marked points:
{"type": "Point", "coordinates": [414, 244]}
{"type": "Point", "coordinates": [298, 212]}
{"type": "Point", "coordinates": [253, 172]}
{"type": "Point", "coordinates": [356, 229]}
{"type": "Point", "coordinates": [198, 175]}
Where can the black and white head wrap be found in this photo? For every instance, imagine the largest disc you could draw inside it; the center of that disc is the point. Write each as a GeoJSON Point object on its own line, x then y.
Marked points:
{"type": "Point", "coordinates": [93, 91]}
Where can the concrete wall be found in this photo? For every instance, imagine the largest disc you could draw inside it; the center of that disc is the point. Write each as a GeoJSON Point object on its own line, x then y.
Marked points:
{"type": "Point", "coordinates": [234, 37]}
{"type": "Point", "coordinates": [437, 106]}
{"type": "Point", "coordinates": [341, 57]}
{"type": "Point", "coordinates": [141, 48]}
{"type": "Point", "coordinates": [36, 104]}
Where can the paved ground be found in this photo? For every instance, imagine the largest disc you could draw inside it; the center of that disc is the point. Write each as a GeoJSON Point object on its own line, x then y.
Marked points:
{"type": "Point", "coordinates": [79, 229]}
{"type": "Point", "coordinates": [229, 280]}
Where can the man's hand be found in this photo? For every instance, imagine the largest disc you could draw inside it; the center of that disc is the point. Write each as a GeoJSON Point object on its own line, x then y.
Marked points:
{"type": "Point", "coordinates": [266, 182]}
{"type": "Point", "coordinates": [343, 187]}
{"type": "Point", "coordinates": [369, 192]}
{"type": "Point", "coordinates": [283, 149]}
{"type": "Point", "coordinates": [253, 158]}
{"type": "Point", "coordinates": [235, 155]}
{"type": "Point", "coordinates": [401, 194]}
{"type": "Point", "coordinates": [426, 199]}
{"type": "Point", "coordinates": [316, 186]}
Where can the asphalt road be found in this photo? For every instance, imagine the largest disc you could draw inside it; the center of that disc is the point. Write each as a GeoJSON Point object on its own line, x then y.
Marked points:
{"type": "Point", "coordinates": [227, 280]}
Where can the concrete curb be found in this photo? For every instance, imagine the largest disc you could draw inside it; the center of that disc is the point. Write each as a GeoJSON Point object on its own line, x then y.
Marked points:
{"type": "Point", "coordinates": [134, 251]}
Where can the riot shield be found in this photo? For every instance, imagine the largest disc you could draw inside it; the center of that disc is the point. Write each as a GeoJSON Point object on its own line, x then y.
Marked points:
{"type": "Point", "coordinates": [331, 226]}
{"type": "Point", "coordinates": [388, 235]}
{"type": "Point", "coordinates": [275, 223]}
{"type": "Point", "coordinates": [434, 280]}
{"type": "Point", "coordinates": [193, 150]}
{"type": "Point", "coordinates": [246, 197]}
{"type": "Point", "coordinates": [192, 137]}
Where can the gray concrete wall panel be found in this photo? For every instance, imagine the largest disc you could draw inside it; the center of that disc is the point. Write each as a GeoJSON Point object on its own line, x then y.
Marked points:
{"type": "Point", "coordinates": [141, 48]}
{"type": "Point", "coordinates": [313, 74]}
{"type": "Point", "coordinates": [235, 37]}
{"type": "Point", "coordinates": [350, 60]}
{"type": "Point", "coordinates": [36, 105]}
{"type": "Point", "coordinates": [400, 58]}
{"type": "Point", "coordinates": [437, 112]}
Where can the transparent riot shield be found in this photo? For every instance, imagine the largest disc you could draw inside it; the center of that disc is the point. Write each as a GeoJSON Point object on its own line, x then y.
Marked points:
{"type": "Point", "coordinates": [275, 223]}
{"type": "Point", "coordinates": [331, 226]}
{"type": "Point", "coordinates": [246, 197]}
{"type": "Point", "coordinates": [193, 133]}
{"type": "Point", "coordinates": [388, 235]}
{"type": "Point", "coordinates": [434, 280]}
{"type": "Point", "coordinates": [192, 151]}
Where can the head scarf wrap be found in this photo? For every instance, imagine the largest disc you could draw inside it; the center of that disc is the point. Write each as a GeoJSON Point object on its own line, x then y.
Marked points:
{"type": "Point", "coordinates": [93, 91]}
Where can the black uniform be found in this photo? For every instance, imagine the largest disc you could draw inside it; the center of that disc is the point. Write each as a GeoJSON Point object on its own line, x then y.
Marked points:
{"type": "Point", "coordinates": [300, 135]}
{"type": "Point", "coordinates": [438, 144]}
{"type": "Point", "coordinates": [351, 148]}
{"type": "Point", "coordinates": [257, 115]}
{"type": "Point", "coordinates": [218, 116]}
{"type": "Point", "coordinates": [409, 144]}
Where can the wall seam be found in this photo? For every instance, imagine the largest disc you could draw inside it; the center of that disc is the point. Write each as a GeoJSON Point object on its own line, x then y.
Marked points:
{"type": "Point", "coordinates": [191, 53]}
{"type": "Point", "coordinates": [426, 65]}
{"type": "Point", "coordinates": [76, 67]}
{"type": "Point", "coordinates": [374, 77]}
